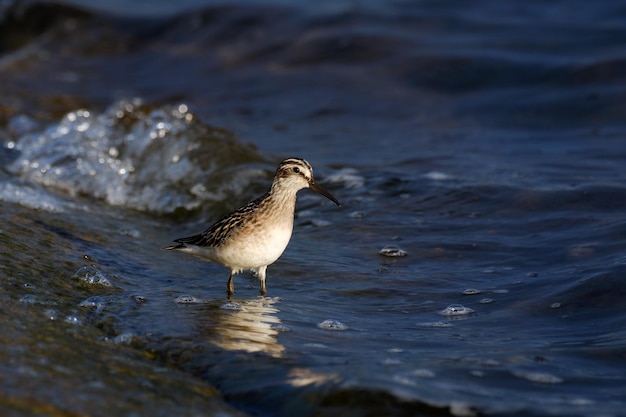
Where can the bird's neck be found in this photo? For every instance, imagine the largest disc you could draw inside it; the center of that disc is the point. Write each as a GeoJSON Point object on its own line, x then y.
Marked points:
{"type": "Point", "coordinates": [281, 198]}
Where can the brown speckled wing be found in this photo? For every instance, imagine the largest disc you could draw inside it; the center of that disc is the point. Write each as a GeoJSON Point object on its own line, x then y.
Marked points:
{"type": "Point", "coordinates": [215, 235]}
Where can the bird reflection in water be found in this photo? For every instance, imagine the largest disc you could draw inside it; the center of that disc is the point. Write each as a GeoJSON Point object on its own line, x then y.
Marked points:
{"type": "Point", "coordinates": [250, 326]}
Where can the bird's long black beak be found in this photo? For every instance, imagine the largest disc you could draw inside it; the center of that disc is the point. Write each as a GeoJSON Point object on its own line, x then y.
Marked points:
{"type": "Point", "coordinates": [318, 189]}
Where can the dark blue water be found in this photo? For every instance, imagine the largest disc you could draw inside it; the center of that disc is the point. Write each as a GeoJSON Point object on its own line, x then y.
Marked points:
{"type": "Point", "coordinates": [477, 265]}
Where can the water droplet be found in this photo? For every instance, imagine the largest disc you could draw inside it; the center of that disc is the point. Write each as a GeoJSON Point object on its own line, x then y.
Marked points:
{"type": "Point", "coordinates": [456, 310]}
{"type": "Point", "coordinates": [332, 325]}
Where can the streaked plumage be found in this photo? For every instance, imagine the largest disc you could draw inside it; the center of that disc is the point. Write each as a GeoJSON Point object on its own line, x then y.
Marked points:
{"type": "Point", "coordinates": [255, 235]}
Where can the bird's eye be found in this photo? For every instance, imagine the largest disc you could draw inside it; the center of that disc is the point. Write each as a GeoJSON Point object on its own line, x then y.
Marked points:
{"type": "Point", "coordinates": [296, 170]}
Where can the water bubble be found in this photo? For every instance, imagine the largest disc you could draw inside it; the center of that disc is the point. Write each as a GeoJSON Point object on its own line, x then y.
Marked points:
{"type": "Point", "coordinates": [486, 301]}
{"type": "Point", "coordinates": [91, 276]}
{"type": "Point", "coordinates": [232, 306]}
{"type": "Point", "coordinates": [181, 109]}
{"type": "Point", "coordinates": [73, 320]}
{"type": "Point", "coordinates": [555, 305]}
{"type": "Point", "coordinates": [188, 299]}
{"type": "Point", "coordinates": [95, 303]}
{"type": "Point", "coordinates": [51, 314]}
{"type": "Point", "coordinates": [28, 299]}
{"type": "Point", "coordinates": [82, 127]}
{"type": "Point", "coordinates": [392, 251]}
{"type": "Point", "coordinates": [281, 328]}
{"type": "Point", "coordinates": [130, 232]}
{"type": "Point", "coordinates": [139, 299]}
{"type": "Point", "coordinates": [471, 291]}
{"type": "Point", "coordinates": [456, 310]}
{"type": "Point", "coordinates": [332, 325]}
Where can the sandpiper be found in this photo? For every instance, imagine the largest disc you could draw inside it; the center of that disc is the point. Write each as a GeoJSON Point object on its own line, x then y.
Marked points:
{"type": "Point", "coordinates": [255, 235]}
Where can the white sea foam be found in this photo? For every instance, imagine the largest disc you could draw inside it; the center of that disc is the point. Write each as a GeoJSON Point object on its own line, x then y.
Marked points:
{"type": "Point", "coordinates": [130, 155]}
{"type": "Point", "coordinates": [31, 196]}
{"type": "Point", "coordinates": [541, 377]}
{"type": "Point", "coordinates": [348, 177]}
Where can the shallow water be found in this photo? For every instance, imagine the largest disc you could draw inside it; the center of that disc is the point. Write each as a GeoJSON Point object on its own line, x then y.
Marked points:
{"type": "Point", "coordinates": [476, 266]}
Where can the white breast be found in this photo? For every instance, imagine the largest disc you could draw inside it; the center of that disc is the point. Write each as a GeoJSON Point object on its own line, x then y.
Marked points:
{"type": "Point", "coordinates": [255, 249]}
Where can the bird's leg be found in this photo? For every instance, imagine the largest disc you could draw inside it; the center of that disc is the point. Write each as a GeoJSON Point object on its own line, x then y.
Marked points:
{"type": "Point", "coordinates": [261, 273]}
{"type": "Point", "coordinates": [230, 287]}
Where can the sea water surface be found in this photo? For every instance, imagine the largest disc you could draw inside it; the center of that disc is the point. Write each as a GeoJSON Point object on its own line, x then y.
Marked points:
{"type": "Point", "coordinates": [477, 265]}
